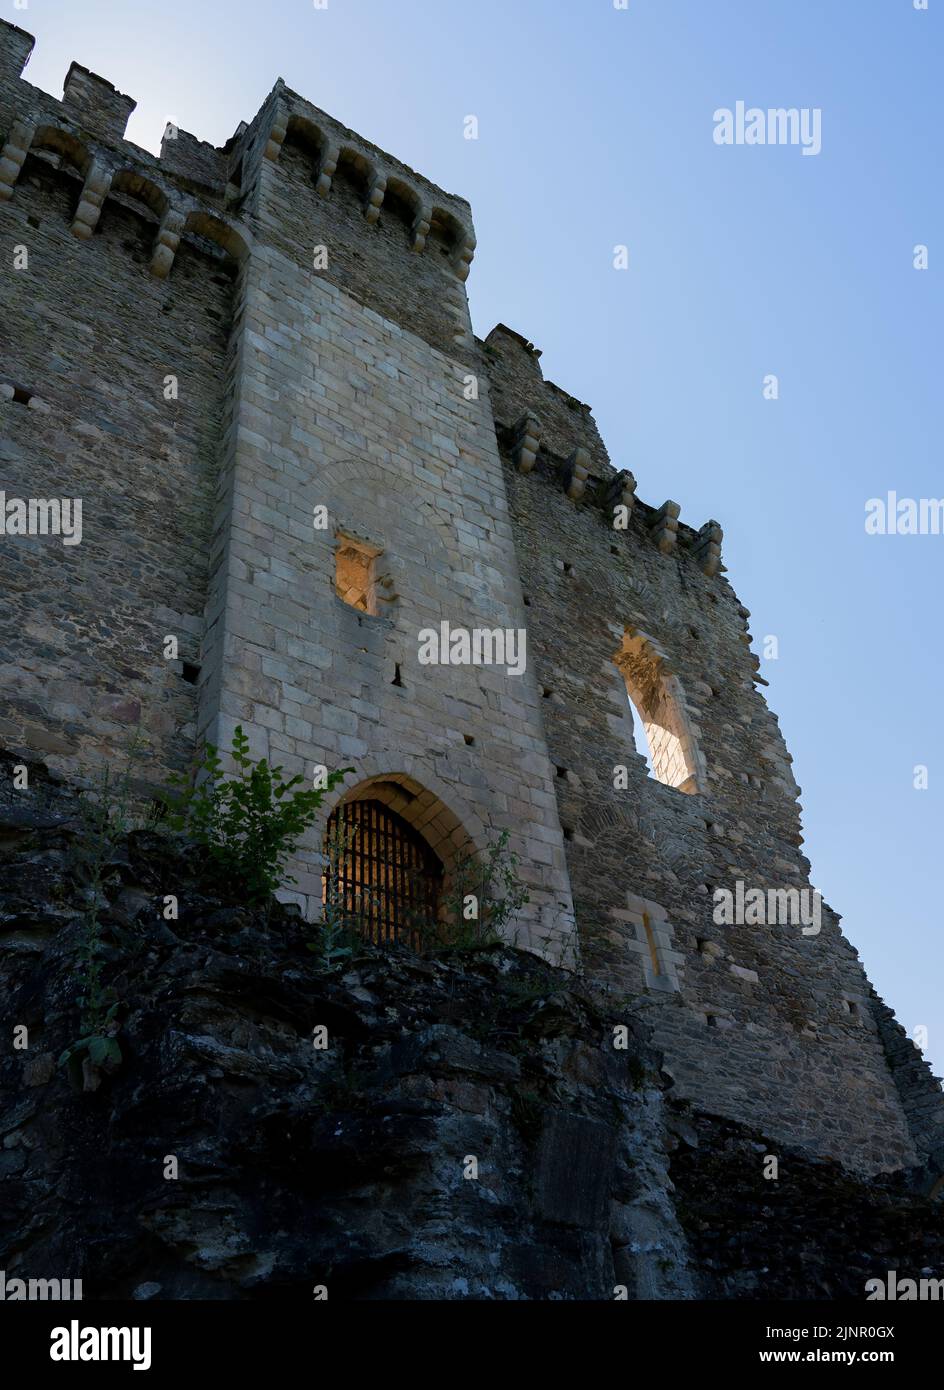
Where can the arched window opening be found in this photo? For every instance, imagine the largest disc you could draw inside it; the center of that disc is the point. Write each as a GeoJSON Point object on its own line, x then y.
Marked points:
{"type": "Point", "coordinates": [445, 231]}
{"type": "Point", "coordinates": [400, 203]}
{"type": "Point", "coordinates": [215, 238]}
{"type": "Point", "coordinates": [305, 143]}
{"type": "Point", "coordinates": [353, 172]}
{"type": "Point", "coordinates": [66, 149]}
{"type": "Point", "coordinates": [381, 879]}
{"type": "Point", "coordinates": [139, 194]}
{"type": "Point", "coordinates": [658, 714]}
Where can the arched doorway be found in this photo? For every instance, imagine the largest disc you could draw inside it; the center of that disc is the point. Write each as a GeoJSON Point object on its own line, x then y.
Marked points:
{"type": "Point", "coordinates": [381, 877]}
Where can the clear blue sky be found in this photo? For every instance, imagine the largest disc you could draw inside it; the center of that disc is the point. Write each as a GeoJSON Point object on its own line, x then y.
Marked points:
{"type": "Point", "coordinates": [596, 129]}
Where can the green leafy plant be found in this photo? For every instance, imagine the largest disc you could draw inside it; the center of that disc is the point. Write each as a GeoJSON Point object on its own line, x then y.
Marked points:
{"type": "Point", "coordinates": [250, 822]}
{"type": "Point", "coordinates": [105, 819]}
{"type": "Point", "coordinates": [484, 896]}
{"type": "Point", "coordinates": [99, 1044]}
{"type": "Point", "coordinates": [335, 943]}
{"type": "Point", "coordinates": [341, 928]}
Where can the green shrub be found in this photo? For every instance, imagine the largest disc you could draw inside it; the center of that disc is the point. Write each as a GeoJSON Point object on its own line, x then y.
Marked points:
{"type": "Point", "coordinates": [250, 823]}
{"type": "Point", "coordinates": [485, 895]}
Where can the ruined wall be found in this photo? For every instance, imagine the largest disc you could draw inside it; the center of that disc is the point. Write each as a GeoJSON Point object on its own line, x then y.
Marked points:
{"type": "Point", "coordinates": [89, 338]}
{"type": "Point", "coordinates": [761, 1023]}
{"type": "Point", "coordinates": [919, 1090]}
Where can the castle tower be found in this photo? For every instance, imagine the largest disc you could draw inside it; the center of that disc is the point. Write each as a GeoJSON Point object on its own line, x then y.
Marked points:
{"type": "Point", "coordinates": [255, 368]}
{"type": "Point", "coordinates": [261, 378]}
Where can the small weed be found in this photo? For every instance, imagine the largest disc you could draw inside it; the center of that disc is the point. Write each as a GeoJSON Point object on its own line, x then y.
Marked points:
{"type": "Point", "coordinates": [485, 895]}
{"type": "Point", "coordinates": [105, 819]}
{"type": "Point", "coordinates": [527, 1110]}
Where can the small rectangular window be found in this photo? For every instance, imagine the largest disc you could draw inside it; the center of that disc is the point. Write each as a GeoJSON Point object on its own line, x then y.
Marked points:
{"type": "Point", "coordinates": [355, 573]}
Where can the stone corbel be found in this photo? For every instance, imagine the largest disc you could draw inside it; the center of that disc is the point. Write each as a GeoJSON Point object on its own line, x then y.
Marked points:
{"type": "Point", "coordinates": [421, 227]}
{"type": "Point", "coordinates": [277, 133]}
{"type": "Point", "coordinates": [13, 154]}
{"type": "Point", "coordinates": [622, 491]}
{"type": "Point", "coordinates": [166, 243]}
{"type": "Point", "coordinates": [329, 167]}
{"type": "Point", "coordinates": [664, 527]}
{"type": "Point", "coordinates": [576, 472]}
{"type": "Point", "coordinates": [527, 442]}
{"type": "Point", "coordinates": [94, 193]}
{"type": "Point", "coordinates": [707, 548]}
{"type": "Point", "coordinates": [463, 258]}
{"type": "Point", "coordinates": [375, 197]}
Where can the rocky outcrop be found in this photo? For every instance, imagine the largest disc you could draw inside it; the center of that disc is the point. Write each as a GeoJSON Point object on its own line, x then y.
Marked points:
{"type": "Point", "coordinates": [814, 1231]}
{"type": "Point", "coordinates": [396, 1127]}
{"type": "Point", "coordinates": [386, 1126]}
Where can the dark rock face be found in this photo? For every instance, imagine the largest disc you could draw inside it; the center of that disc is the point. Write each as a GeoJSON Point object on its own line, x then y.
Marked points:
{"type": "Point", "coordinates": [463, 1126]}
{"type": "Point", "coordinates": [813, 1232]}
{"type": "Point", "coordinates": [468, 1131]}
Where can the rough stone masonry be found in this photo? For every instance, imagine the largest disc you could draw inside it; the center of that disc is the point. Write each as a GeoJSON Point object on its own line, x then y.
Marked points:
{"type": "Point", "coordinates": [256, 369]}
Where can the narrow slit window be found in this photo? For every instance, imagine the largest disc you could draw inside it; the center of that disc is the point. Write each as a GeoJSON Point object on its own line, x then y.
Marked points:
{"type": "Point", "coordinates": [651, 943]}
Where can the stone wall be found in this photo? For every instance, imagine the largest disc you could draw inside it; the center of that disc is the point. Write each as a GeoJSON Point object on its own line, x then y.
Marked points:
{"type": "Point", "coordinates": [90, 341]}
{"type": "Point", "coordinates": [808, 1230]}
{"type": "Point", "coordinates": [517, 383]}
{"type": "Point", "coordinates": [336, 407]}
{"type": "Point", "coordinates": [920, 1092]}
{"type": "Point", "coordinates": [387, 264]}
{"type": "Point", "coordinates": [762, 1023]}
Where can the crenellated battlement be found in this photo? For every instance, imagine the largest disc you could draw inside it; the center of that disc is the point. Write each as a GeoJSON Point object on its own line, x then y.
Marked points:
{"type": "Point", "coordinates": [542, 429]}
{"type": "Point", "coordinates": [83, 137]}
{"type": "Point", "coordinates": [96, 105]}
{"type": "Point", "coordinates": [15, 49]}
{"type": "Point", "coordinates": [195, 188]}
{"type": "Point", "coordinates": [382, 179]}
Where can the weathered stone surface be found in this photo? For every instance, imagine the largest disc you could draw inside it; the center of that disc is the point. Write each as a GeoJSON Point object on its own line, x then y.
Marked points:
{"type": "Point", "coordinates": [210, 348]}
{"type": "Point", "coordinates": [813, 1232]}
{"type": "Point", "coordinates": [346, 1165]}
{"type": "Point", "coordinates": [575, 1165]}
{"type": "Point", "coordinates": [735, 1003]}
{"type": "Point", "coordinates": [468, 1133]}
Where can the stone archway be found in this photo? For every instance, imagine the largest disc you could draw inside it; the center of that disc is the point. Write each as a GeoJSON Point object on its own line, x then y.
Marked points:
{"type": "Point", "coordinates": [451, 829]}
{"type": "Point", "coordinates": [445, 828]}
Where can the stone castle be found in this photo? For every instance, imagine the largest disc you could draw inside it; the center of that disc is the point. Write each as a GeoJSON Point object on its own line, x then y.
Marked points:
{"type": "Point", "coordinates": [218, 349]}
